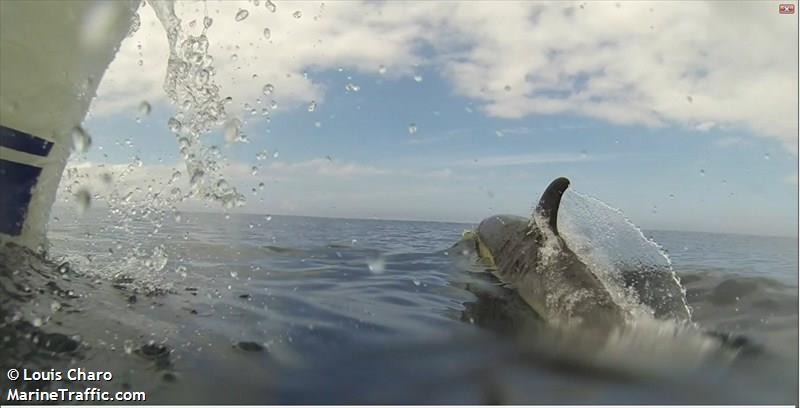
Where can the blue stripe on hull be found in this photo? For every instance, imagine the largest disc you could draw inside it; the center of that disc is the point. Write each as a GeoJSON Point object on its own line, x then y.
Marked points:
{"type": "Point", "coordinates": [23, 142]}
{"type": "Point", "coordinates": [16, 182]}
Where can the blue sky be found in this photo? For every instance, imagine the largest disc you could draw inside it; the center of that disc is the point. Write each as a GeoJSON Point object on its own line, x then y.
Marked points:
{"type": "Point", "coordinates": [491, 130]}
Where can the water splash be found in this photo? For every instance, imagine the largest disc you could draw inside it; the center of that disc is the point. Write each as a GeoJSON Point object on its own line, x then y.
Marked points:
{"type": "Point", "coordinates": [634, 269]}
{"type": "Point", "coordinates": [190, 86]}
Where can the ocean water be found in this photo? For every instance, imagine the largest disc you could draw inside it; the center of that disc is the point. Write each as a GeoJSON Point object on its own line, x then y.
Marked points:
{"type": "Point", "coordinates": [244, 309]}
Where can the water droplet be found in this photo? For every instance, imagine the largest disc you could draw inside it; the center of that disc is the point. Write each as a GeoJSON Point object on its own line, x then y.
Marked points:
{"type": "Point", "coordinates": [55, 306]}
{"type": "Point", "coordinates": [507, 88]}
{"type": "Point", "coordinates": [175, 176]}
{"type": "Point", "coordinates": [37, 322]}
{"type": "Point", "coordinates": [268, 89]}
{"type": "Point", "coordinates": [144, 109]}
{"type": "Point", "coordinates": [412, 129]}
{"type": "Point", "coordinates": [275, 155]}
{"type": "Point", "coordinates": [312, 106]}
{"type": "Point", "coordinates": [81, 141]}
{"type": "Point", "coordinates": [416, 282]}
{"type": "Point", "coordinates": [242, 14]}
{"type": "Point", "coordinates": [268, 218]}
{"type": "Point", "coordinates": [271, 6]}
{"type": "Point", "coordinates": [672, 196]}
{"type": "Point", "coordinates": [127, 346]}
{"type": "Point", "coordinates": [254, 170]}
{"type": "Point", "coordinates": [689, 98]}
{"type": "Point", "coordinates": [702, 172]}
{"type": "Point", "coordinates": [174, 125]}
{"type": "Point", "coordinates": [267, 34]}
{"type": "Point", "coordinates": [262, 155]}
{"type": "Point", "coordinates": [381, 69]}
{"type": "Point", "coordinates": [297, 14]}
{"type": "Point", "coordinates": [158, 260]}
{"type": "Point", "coordinates": [351, 87]}
{"type": "Point", "coordinates": [273, 104]}
{"type": "Point", "coordinates": [234, 274]}
{"type": "Point", "coordinates": [207, 21]}
{"type": "Point", "coordinates": [222, 184]}
{"type": "Point", "coordinates": [377, 266]}
{"type": "Point", "coordinates": [418, 78]}
{"type": "Point", "coordinates": [232, 130]}
{"type": "Point", "coordinates": [767, 156]}
{"type": "Point", "coordinates": [197, 178]}
{"type": "Point", "coordinates": [261, 186]}
{"type": "Point", "coordinates": [83, 200]}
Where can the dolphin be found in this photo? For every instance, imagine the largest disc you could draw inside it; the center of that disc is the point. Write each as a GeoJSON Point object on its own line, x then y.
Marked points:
{"type": "Point", "coordinates": [530, 256]}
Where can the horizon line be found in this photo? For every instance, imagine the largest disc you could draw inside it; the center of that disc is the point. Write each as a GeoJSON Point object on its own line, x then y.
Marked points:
{"type": "Point", "coordinates": [472, 223]}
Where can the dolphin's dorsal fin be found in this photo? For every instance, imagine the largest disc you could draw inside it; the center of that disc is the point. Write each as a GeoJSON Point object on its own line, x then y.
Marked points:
{"type": "Point", "coordinates": [550, 201]}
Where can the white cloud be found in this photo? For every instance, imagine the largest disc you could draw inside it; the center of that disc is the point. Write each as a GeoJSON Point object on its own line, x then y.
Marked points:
{"type": "Point", "coordinates": [326, 168]}
{"type": "Point", "coordinates": [791, 180]}
{"type": "Point", "coordinates": [693, 64]}
{"type": "Point", "coordinates": [727, 142]}
{"type": "Point", "coordinates": [323, 180]}
{"type": "Point", "coordinates": [525, 159]}
{"type": "Point", "coordinates": [132, 182]}
{"type": "Point", "coordinates": [705, 126]}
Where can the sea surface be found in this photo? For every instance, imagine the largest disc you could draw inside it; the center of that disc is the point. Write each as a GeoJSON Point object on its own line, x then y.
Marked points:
{"type": "Point", "coordinates": [238, 309]}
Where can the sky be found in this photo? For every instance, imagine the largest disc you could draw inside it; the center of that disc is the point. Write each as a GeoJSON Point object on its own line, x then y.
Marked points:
{"type": "Point", "coordinates": [681, 114]}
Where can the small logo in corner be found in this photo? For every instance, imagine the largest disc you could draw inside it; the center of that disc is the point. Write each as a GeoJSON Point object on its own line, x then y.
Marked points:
{"type": "Point", "coordinates": [786, 9]}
